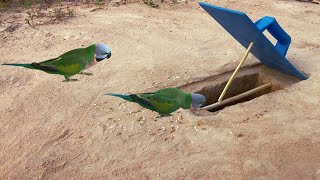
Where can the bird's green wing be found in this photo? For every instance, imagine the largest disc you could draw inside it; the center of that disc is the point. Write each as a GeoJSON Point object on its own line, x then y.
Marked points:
{"type": "Point", "coordinates": [164, 105]}
{"type": "Point", "coordinates": [69, 63]}
{"type": "Point", "coordinates": [157, 102]}
{"type": "Point", "coordinates": [183, 98]}
{"type": "Point", "coordinates": [143, 100]}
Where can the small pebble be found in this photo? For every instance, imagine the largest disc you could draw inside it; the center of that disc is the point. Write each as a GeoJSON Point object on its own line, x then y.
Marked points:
{"type": "Point", "coordinates": [239, 135]}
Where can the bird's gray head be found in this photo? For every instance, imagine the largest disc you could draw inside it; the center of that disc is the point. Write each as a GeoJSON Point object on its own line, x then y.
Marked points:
{"type": "Point", "coordinates": [102, 51]}
{"type": "Point", "coordinates": [197, 100]}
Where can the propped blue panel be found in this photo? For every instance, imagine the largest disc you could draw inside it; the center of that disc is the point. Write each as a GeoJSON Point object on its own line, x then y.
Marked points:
{"type": "Point", "coordinates": [245, 31]}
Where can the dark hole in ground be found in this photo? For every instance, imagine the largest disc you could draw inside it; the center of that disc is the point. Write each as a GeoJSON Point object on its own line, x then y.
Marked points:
{"type": "Point", "coordinates": [239, 85]}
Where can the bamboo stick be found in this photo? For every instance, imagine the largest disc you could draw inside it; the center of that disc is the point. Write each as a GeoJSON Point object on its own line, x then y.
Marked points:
{"type": "Point", "coordinates": [235, 72]}
{"type": "Point", "coordinates": [237, 97]}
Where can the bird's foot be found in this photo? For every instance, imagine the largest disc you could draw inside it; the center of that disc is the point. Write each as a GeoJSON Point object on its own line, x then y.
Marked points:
{"type": "Point", "coordinates": [163, 115]}
{"type": "Point", "coordinates": [69, 80]}
{"type": "Point", "coordinates": [193, 110]}
{"type": "Point", "coordinates": [85, 73]}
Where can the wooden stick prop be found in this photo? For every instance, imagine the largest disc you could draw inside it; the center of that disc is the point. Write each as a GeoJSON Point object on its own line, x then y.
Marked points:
{"type": "Point", "coordinates": [235, 72]}
{"type": "Point", "coordinates": [237, 97]}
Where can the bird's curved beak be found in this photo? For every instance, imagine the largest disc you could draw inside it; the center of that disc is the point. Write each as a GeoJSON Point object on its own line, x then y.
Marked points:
{"type": "Point", "coordinates": [109, 55]}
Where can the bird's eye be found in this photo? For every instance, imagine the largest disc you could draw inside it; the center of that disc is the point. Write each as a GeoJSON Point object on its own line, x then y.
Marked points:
{"type": "Point", "coordinates": [103, 52]}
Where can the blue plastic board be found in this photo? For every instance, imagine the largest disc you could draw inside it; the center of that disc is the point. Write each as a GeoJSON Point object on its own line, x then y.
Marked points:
{"type": "Point", "coordinates": [245, 31]}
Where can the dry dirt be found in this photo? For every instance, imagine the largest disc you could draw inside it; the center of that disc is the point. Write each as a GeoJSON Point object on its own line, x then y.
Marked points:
{"type": "Point", "coordinates": [55, 130]}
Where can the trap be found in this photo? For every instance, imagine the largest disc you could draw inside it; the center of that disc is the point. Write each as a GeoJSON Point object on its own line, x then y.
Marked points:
{"type": "Point", "coordinates": [244, 87]}
{"type": "Point", "coordinates": [251, 82]}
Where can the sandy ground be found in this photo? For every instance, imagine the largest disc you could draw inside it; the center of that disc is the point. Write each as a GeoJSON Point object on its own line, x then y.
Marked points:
{"type": "Point", "coordinates": [55, 130]}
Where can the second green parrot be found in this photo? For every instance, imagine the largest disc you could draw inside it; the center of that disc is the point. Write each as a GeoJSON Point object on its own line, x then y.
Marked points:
{"type": "Point", "coordinates": [165, 101]}
{"type": "Point", "coordinates": [72, 62]}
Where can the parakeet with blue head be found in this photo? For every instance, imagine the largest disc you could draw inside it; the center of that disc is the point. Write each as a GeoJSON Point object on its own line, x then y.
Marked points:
{"type": "Point", "coordinates": [165, 101]}
{"type": "Point", "coordinates": [72, 62]}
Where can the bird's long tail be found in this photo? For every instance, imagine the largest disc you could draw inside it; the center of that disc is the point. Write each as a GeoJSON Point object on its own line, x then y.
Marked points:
{"type": "Point", "coordinates": [123, 96]}
{"type": "Point", "coordinates": [29, 66]}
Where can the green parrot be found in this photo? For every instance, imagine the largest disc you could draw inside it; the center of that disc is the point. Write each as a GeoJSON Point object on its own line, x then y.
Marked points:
{"type": "Point", "coordinates": [72, 62]}
{"type": "Point", "coordinates": [165, 101]}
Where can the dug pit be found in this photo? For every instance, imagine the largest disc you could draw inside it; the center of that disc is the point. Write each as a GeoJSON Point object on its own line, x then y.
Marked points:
{"type": "Point", "coordinates": [257, 79]}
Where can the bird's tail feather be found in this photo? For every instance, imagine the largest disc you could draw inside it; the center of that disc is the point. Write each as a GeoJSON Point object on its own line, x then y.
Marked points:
{"type": "Point", "coordinates": [29, 66]}
{"type": "Point", "coordinates": [123, 96]}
